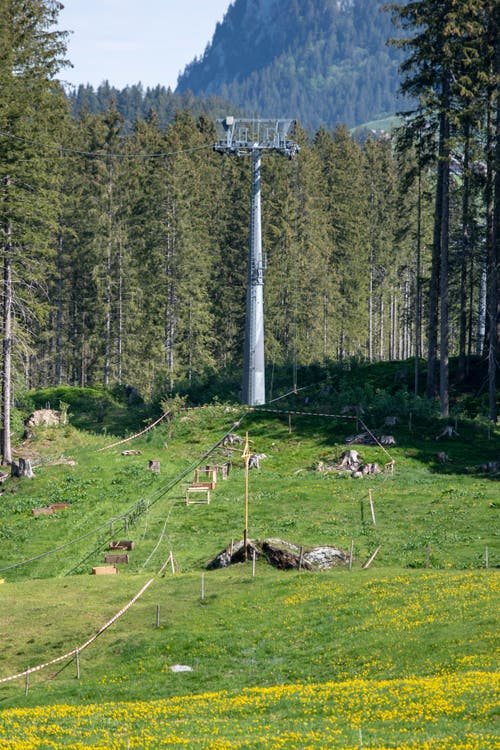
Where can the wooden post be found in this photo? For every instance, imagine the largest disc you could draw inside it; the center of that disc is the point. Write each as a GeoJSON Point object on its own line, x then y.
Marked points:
{"type": "Point", "coordinates": [360, 739]}
{"type": "Point", "coordinates": [157, 615]}
{"type": "Point", "coordinates": [301, 558]}
{"type": "Point", "coordinates": [246, 456]}
{"type": "Point", "coordinates": [27, 682]}
{"type": "Point", "coordinates": [350, 554]}
{"type": "Point", "coordinates": [77, 659]}
{"type": "Point", "coordinates": [202, 586]}
{"type": "Point", "coordinates": [371, 507]}
{"type": "Point", "coordinates": [362, 512]}
{"type": "Point", "coordinates": [428, 556]}
{"type": "Point", "coordinates": [486, 560]}
{"type": "Point", "coordinates": [289, 422]}
{"type": "Point", "coordinates": [172, 564]}
{"type": "Point", "coordinates": [253, 563]}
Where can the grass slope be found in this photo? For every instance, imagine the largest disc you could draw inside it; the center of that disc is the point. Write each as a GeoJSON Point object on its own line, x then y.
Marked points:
{"type": "Point", "coordinates": [328, 634]}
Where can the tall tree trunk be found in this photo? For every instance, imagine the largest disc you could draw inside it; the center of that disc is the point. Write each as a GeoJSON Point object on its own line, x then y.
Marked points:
{"type": "Point", "coordinates": [464, 256]}
{"type": "Point", "coordinates": [494, 352]}
{"type": "Point", "coordinates": [7, 349]}
{"type": "Point", "coordinates": [444, 397]}
{"type": "Point", "coordinates": [107, 299]}
{"type": "Point", "coordinates": [418, 291]}
{"type": "Point", "coordinates": [432, 328]}
{"type": "Point", "coordinates": [370, 310]}
{"type": "Point", "coordinates": [59, 314]}
{"type": "Point", "coordinates": [170, 301]}
{"type": "Point", "coordinates": [491, 274]}
{"type": "Point", "coordinates": [120, 312]}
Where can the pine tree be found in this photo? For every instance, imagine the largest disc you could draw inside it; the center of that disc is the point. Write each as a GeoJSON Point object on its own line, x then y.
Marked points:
{"type": "Point", "coordinates": [30, 105]}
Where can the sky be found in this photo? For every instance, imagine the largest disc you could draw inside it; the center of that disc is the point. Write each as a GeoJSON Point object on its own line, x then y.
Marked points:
{"type": "Point", "coordinates": [127, 41]}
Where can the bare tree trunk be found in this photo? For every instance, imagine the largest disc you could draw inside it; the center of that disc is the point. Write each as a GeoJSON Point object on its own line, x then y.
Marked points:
{"type": "Point", "coordinates": [493, 227]}
{"type": "Point", "coordinates": [7, 348]}
{"type": "Point", "coordinates": [444, 397]}
{"type": "Point", "coordinates": [418, 320]}
{"type": "Point", "coordinates": [170, 300]}
{"type": "Point", "coordinates": [381, 342]}
{"type": "Point", "coordinates": [370, 311]}
{"type": "Point", "coordinates": [464, 256]}
{"type": "Point", "coordinates": [59, 315]}
{"type": "Point", "coordinates": [120, 311]}
{"type": "Point", "coordinates": [107, 298]}
{"type": "Point", "coordinates": [432, 330]}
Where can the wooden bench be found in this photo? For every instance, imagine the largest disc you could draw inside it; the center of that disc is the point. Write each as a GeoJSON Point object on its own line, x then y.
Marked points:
{"type": "Point", "coordinates": [116, 559]}
{"type": "Point", "coordinates": [199, 487]}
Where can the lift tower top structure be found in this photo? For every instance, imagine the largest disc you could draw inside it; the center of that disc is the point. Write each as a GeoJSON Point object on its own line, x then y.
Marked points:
{"type": "Point", "coordinates": [252, 137]}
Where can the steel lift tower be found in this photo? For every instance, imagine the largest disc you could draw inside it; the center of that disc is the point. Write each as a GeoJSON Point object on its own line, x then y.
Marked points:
{"type": "Point", "coordinates": [251, 137]}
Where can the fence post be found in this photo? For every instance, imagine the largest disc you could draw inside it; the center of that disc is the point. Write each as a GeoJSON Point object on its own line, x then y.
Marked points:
{"type": "Point", "coordinates": [350, 554]}
{"type": "Point", "coordinates": [486, 558]}
{"type": "Point", "coordinates": [157, 615]}
{"type": "Point", "coordinates": [27, 681]}
{"type": "Point", "coordinates": [77, 659]}
{"type": "Point", "coordinates": [253, 563]}
{"type": "Point", "coordinates": [371, 507]}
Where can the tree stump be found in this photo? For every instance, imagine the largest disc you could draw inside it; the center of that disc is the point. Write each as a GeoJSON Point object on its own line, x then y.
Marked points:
{"type": "Point", "coordinates": [22, 468]}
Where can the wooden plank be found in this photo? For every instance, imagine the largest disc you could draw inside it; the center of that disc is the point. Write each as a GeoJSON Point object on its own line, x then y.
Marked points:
{"type": "Point", "coordinates": [104, 570]}
{"type": "Point", "coordinates": [60, 506]}
{"type": "Point", "coordinates": [42, 511]}
{"type": "Point", "coordinates": [116, 559]}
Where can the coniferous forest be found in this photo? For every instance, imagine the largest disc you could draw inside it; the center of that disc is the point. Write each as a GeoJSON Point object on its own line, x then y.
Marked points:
{"type": "Point", "coordinates": [124, 250]}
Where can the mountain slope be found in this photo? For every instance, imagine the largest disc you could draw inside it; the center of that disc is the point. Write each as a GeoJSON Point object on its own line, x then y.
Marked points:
{"type": "Point", "coordinates": [322, 61]}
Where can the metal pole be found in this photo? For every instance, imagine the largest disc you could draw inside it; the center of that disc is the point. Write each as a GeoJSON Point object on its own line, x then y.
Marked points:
{"type": "Point", "coordinates": [253, 389]}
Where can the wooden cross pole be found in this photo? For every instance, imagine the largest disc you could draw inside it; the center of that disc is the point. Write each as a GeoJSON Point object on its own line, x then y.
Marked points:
{"type": "Point", "coordinates": [246, 457]}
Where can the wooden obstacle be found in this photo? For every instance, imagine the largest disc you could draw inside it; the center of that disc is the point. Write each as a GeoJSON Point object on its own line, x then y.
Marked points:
{"type": "Point", "coordinates": [42, 511]}
{"type": "Point", "coordinates": [205, 487]}
{"type": "Point", "coordinates": [122, 545]}
{"type": "Point", "coordinates": [104, 570]}
{"type": "Point", "coordinates": [50, 509]}
{"type": "Point", "coordinates": [116, 559]}
{"type": "Point", "coordinates": [211, 477]}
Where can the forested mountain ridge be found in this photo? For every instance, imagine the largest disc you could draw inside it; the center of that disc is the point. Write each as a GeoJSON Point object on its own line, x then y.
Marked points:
{"type": "Point", "coordinates": [320, 61]}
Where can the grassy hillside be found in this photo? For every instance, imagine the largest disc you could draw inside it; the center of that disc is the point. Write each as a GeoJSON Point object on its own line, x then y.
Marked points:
{"type": "Point", "coordinates": [419, 622]}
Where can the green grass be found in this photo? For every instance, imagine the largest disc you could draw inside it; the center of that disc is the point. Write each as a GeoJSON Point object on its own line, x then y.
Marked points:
{"type": "Point", "coordinates": [396, 621]}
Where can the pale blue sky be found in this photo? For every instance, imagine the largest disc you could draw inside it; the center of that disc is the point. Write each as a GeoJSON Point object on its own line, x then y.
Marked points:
{"type": "Point", "coordinates": [127, 41]}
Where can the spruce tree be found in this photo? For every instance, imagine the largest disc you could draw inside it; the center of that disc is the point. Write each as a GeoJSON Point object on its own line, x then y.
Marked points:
{"type": "Point", "coordinates": [30, 55]}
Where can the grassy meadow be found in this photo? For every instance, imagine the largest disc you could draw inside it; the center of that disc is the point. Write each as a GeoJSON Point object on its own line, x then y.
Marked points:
{"type": "Point", "coordinates": [403, 654]}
